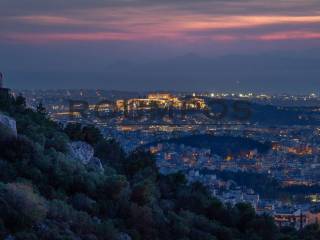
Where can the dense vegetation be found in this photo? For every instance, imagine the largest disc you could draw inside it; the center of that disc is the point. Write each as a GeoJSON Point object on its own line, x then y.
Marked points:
{"type": "Point", "coordinates": [47, 195]}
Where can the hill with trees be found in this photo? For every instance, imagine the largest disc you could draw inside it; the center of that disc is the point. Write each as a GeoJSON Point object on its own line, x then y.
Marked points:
{"type": "Point", "coordinates": [262, 114]}
{"type": "Point", "coordinates": [220, 145]}
{"type": "Point", "coordinates": [47, 194]}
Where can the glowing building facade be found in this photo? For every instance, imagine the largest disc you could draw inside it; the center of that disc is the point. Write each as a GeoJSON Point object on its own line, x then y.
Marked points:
{"type": "Point", "coordinates": [160, 100]}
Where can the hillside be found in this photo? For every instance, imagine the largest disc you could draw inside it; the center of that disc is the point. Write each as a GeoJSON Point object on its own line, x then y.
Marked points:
{"type": "Point", "coordinates": [46, 193]}
{"type": "Point", "coordinates": [221, 145]}
{"type": "Point", "coordinates": [264, 115]}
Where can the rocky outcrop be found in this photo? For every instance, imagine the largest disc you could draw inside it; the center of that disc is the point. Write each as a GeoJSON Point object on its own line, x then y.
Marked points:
{"type": "Point", "coordinates": [85, 154]}
{"type": "Point", "coordinates": [8, 125]}
{"type": "Point", "coordinates": [123, 236]}
{"type": "Point", "coordinates": [10, 237]}
{"type": "Point", "coordinates": [82, 151]}
{"type": "Point", "coordinates": [95, 163]}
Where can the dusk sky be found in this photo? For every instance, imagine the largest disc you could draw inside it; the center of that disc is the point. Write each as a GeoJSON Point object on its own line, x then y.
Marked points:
{"type": "Point", "coordinates": [214, 45]}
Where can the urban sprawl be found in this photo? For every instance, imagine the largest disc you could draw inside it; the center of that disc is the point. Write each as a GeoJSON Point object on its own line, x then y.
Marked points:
{"type": "Point", "coordinates": [180, 129]}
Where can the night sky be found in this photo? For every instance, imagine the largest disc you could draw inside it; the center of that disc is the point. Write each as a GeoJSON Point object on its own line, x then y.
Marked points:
{"type": "Point", "coordinates": [226, 45]}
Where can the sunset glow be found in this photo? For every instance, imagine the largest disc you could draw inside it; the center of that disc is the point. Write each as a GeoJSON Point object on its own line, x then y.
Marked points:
{"type": "Point", "coordinates": [163, 44]}
{"type": "Point", "coordinates": [166, 22]}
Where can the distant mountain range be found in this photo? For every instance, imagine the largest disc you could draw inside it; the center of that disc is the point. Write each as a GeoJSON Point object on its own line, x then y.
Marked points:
{"type": "Point", "coordinates": [280, 72]}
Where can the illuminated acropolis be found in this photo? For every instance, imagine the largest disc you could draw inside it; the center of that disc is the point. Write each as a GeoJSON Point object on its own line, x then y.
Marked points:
{"type": "Point", "coordinates": [161, 101]}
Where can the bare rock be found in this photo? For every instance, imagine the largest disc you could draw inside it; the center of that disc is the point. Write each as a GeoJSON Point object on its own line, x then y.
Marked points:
{"type": "Point", "coordinates": [10, 237]}
{"type": "Point", "coordinates": [8, 125]}
{"type": "Point", "coordinates": [82, 151]}
{"type": "Point", "coordinates": [123, 236]}
{"type": "Point", "coordinates": [95, 163]}
{"type": "Point", "coordinates": [85, 153]}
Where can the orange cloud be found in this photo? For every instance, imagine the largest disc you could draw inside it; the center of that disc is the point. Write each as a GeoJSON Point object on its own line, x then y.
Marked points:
{"type": "Point", "coordinates": [60, 37]}
{"type": "Point", "coordinates": [83, 36]}
{"type": "Point", "coordinates": [109, 36]}
{"type": "Point", "coordinates": [227, 22]}
{"type": "Point", "coordinates": [49, 20]}
{"type": "Point", "coordinates": [288, 35]}
{"type": "Point", "coordinates": [171, 20]}
{"type": "Point", "coordinates": [111, 24]}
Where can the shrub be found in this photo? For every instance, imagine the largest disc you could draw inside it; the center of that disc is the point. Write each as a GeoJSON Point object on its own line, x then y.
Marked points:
{"type": "Point", "coordinates": [20, 206]}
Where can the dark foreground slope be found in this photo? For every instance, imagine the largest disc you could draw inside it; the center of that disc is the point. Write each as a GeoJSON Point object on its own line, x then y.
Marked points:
{"type": "Point", "coordinates": [46, 194]}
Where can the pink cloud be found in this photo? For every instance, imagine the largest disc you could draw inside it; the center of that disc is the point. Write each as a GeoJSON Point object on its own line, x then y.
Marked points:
{"type": "Point", "coordinates": [48, 20]}
{"type": "Point", "coordinates": [230, 22]}
{"type": "Point", "coordinates": [155, 23]}
{"type": "Point", "coordinates": [84, 36]}
{"type": "Point", "coordinates": [292, 35]}
{"type": "Point", "coordinates": [61, 37]}
{"type": "Point", "coordinates": [111, 36]}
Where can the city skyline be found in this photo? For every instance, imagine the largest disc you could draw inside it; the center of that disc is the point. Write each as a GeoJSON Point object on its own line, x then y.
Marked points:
{"type": "Point", "coordinates": [159, 120]}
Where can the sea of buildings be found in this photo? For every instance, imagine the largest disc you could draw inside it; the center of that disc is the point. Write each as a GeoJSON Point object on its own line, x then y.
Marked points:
{"type": "Point", "coordinates": [139, 119]}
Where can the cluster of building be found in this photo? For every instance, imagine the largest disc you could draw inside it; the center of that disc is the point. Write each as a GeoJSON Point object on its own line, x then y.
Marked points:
{"type": "Point", "coordinates": [160, 101]}
{"type": "Point", "coordinates": [228, 192]}
{"type": "Point", "coordinates": [293, 159]}
{"type": "Point", "coordinates": [290, 162]}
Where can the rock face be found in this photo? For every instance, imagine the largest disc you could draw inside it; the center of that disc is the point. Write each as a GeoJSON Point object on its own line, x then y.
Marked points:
{"type": "Point", "coordinates": [95, 164]}
{"type": "Point", "coordinates": [123, 236]}
{"type": "Point", "coordinates": [10, 237]}
{"type": "Point", "coordinates": [85, 153]}
{"type": "Point", "coordinates": [8, 125]}
{"type": "Point", "coordinates": [82, 151]}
